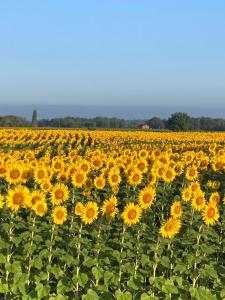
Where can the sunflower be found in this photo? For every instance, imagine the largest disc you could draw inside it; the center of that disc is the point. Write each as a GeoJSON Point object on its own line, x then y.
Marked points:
{"type": "Point", "coordinates": [36, 196]}
{"type": "Point", "coordinates": [62, 176]}
{"type": "Point", "coordinates": [79, 178]}
{"type": "Point", "coordinates": [146, 197]}
{"type": "Point", "coordinates": [214, 198]}
{"type": "Point", "coordinates": [176, 210]}
{"type": "Point", "coordinates": [198, 201]}
{"type": "Point", "coordinates": [59, 193]}
{"type": "Point", "coordinates": [114, 177]}
{"type": "Point", "coordinates": [46, 186]}
{"type": "Point", "coordinates": [191, 173]}
{"type": "Point", "coordinates": [99, 182]}
{"type": "Point", "coordinates": [3, 170]}
{"type": "Point", "coordinates": [211, 214]}
{"type": "Point", "coordinates": [79, 209]}
{"type": "Point", "coordinates": [186, 194]}
{"type": "Point", "coordinates": [18, 197]}
{"type": "Point", "coordinates": [170, 228]}
{"type": "Point", "coordinates": [142, 165]}
{"type": "Point", "coordinates": [1, 201]}
{"type": "Point", "coordinates": [169, 175]}
{"type": "Point", "coordinates": [109, 207]}
{"type": "Point", "coordinates": [40, 207]}
{"type": "Point", "coordinates": [13, 173]}
{"type": "Point", "coordinates": [40, 174]}
{"type": "Point", "coordinates": [90, 212]}
{"type": "Point", "coordinates": [59, 215]}
{"type": "Point", "coordinates": [135, 177]}
{"type": "Point", "coordinates": [131, 214]}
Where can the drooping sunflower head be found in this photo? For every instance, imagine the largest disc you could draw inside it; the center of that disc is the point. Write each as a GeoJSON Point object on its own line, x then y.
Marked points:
{"type": "Point", "coordinates": [146, 197]}
{"type": "Point", "coordinates": [109, 207]}
{"type": "Point", "coordinates": [214, 198]}
{"type": "Point", "coordinates": [131, 214]}
{"type": "Point", "coordinates": [79, 209]}
{"type": "Point", "coordinates": [59, 215]}
{"type": "Point", "coordinates": [90, 212]}
{"type": "Point", "coordinates": [211, 214]}
{"type": "Point", "coordinates": [170, 228]}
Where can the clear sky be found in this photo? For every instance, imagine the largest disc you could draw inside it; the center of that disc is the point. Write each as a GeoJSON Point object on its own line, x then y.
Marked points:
{"type": "Point", "coordinates": [137, 52]}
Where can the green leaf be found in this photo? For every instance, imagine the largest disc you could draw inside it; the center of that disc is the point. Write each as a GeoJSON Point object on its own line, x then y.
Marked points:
{"type": "Point", "coordinates": [202, 294]}
{"type": "Point", "coordinates": [91, 295]}
{"type": "Point", "coordinates": [123, 295]}
{"type": "Point", "coordinates": [107, 277]}
{"type": "Point", "coordinates": [2, 259]}
{"type": "Point", "coordinates": [89, 262]}
{"type": "Point", "coordinates": [106, 296]}
{"type": "Point", "coordinates": [42, 290]}
{"type": "Point", "coordinates": [3, 287]}
{"type": "Point", "coordinates": [97, 272]}
{"type": "Point", "coordinates": [134, 283]}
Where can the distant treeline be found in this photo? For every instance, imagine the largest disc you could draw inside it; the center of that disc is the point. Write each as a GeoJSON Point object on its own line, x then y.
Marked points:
{"type": "Point", "coordinates": [177, 122]}
{"type": "Point", "coordinates": [98, 122]}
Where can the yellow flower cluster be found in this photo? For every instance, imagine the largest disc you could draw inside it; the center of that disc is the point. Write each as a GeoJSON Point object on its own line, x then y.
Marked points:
{"type": "Point", "coordinates": [112, 174]}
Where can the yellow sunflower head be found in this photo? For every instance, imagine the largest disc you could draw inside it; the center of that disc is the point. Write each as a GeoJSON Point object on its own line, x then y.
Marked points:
{"type": "Point", "coordinates": [146, 197]}
{"type": "Point", "coordinates": [176, 210]}
{"type": "Point", "coordinates": [109, 207]}
{"type": "Point", "coordinates": [198, 201]}
{"type": "Point", "coordinates": [170, 228]}
{"type": "Point", "coordinates": [40, 207]}
{"type": "Point", "coordinates": [99, 182]}
{"type": "Point", "coordinates": [59, 215]}
{"type": "Point", "coordinates": [59, 193]}
{"type": "Point", "coordinates": [79, 178]}
{"type": "Point", "coordinates": [1, 201]}
{"type": "Point", "coordinates": [79, 209]}
{"type": "Point", "coordinates": [18, 197]}
{"type": "Point", "coordinates": [90, 212]}
{"type": "Point", "coordinates": [211, 213]}
{"type": "Point", "coordinates": [131, 214]}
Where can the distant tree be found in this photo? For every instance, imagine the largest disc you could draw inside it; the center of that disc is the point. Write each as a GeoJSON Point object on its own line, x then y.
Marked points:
{"type": "Point", "coordinates": [34, 122]}
{"type": "Point", "coordinates": [156, 123]}
{"type": "Point", "coordinates": [180, 121]}
{"type": "Point", "coordinates": [12, 121]}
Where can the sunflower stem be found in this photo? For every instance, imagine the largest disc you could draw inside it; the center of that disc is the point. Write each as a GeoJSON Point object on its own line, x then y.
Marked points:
{"type": "Point", "coordinates": [78, 257]}
{"type": "Point", "coordinates": [196, 255]}
{"type": "Point", "coordinates": [50, 249]}
{"type": "Point", "coordinates": [29, 255]}
{"type": "Point", "coordinates": [9, 252]}
{"type": "Point", "coordinates": [137, 252]}
{"type": "Point", "coordinates": [98, 248]}
{"type": "Point", "coordinates": [121, 253]}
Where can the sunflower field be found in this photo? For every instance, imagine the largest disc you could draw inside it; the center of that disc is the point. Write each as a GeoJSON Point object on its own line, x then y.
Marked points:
{"type": "Point", "coordinates": [111, 215]}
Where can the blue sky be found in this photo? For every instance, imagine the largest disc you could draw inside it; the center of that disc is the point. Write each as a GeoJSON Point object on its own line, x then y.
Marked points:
{"type": "Point", "coordinates": [136, 52]}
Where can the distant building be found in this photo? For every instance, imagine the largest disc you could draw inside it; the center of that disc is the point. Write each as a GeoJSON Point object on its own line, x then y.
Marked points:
{"type": "Point", "coordinates": [144, 126]}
